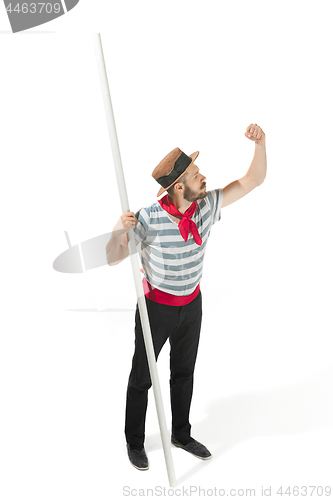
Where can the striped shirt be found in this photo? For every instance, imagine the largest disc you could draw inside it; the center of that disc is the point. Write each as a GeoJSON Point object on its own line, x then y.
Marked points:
{"type": "Point", "coordinates": [170, 263]}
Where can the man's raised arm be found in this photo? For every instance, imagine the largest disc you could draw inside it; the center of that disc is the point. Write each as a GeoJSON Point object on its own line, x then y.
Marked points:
{"type": "Point", "coordinates": [256, 173]}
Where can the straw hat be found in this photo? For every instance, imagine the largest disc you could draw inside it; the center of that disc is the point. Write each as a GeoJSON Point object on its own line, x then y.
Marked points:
{"type": "Point", "coordinates": [172, 167]}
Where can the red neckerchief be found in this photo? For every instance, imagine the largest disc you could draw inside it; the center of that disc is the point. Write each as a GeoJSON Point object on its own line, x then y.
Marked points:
{"type": "Point", "coordinates": [186, 224]}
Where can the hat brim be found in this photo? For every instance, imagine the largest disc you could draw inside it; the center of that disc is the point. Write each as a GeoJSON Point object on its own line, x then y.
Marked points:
{"type": "Point", "coordinates": [193, 156]}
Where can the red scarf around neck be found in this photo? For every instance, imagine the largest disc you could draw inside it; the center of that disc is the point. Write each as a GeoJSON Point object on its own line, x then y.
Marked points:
{"type": "Point", "coordinates": [186, 224]}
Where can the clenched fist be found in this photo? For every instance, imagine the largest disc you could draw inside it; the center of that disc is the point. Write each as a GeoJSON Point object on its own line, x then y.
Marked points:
{"type": "Point", "coordinates": [255, 133]}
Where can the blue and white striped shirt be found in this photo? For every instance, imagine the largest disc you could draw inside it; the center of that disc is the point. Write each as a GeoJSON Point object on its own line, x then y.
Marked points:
{"type": "Point", "coordinates": [170, 263]}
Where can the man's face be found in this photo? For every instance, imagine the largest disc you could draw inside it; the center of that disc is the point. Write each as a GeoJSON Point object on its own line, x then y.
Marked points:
{"type": "Point", "coordinates": [195, 186]}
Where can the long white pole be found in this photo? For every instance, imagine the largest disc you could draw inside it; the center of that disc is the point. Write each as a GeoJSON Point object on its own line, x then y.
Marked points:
{"type": "Point", "coordinates": [134, 260]}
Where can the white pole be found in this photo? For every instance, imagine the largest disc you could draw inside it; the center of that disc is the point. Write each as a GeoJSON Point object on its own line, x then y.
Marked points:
{"type": "Point", "coordinates": [134, 260]}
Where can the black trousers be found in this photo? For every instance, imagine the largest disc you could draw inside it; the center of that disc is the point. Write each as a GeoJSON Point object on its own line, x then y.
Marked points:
{"type": "Point", "coordinates": [181, 325]}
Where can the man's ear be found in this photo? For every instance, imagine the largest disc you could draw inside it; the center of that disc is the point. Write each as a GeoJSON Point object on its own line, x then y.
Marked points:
{"type": "Point", "coordinates": [178, 186]}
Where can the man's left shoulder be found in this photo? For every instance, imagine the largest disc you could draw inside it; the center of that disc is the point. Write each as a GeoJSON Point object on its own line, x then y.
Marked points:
{"type": "Point", "coordinates": [214, 197]}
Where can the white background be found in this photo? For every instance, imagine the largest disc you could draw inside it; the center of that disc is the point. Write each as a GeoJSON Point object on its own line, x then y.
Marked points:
{"type": "Point", "coordinates": [192, 75]}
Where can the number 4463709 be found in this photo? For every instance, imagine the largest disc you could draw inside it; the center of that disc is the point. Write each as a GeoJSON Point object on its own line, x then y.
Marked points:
{"type": "Point", "coordinates": [33, 8]}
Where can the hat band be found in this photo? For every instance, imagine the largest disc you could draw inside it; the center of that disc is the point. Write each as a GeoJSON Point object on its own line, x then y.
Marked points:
{"type": "Point", "coordinates": [180, 166]}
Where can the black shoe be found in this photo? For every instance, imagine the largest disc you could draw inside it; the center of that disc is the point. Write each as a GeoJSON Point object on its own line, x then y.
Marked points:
{"type": "Point", "coordinates": [138, 458]}
{"type": "Point", "coordinates": [197, 449]}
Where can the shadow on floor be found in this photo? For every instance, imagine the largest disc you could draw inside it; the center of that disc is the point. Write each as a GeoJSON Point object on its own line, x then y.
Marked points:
{"type": "Point", "coordinates": [307, 406]}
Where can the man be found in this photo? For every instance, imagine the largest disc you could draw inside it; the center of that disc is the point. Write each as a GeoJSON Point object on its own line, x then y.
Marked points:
{"type": "Point", "coordinates": [173, 233]}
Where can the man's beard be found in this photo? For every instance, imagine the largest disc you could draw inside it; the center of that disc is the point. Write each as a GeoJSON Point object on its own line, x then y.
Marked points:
{"type": "Point", "coordinates": [190, 195]}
